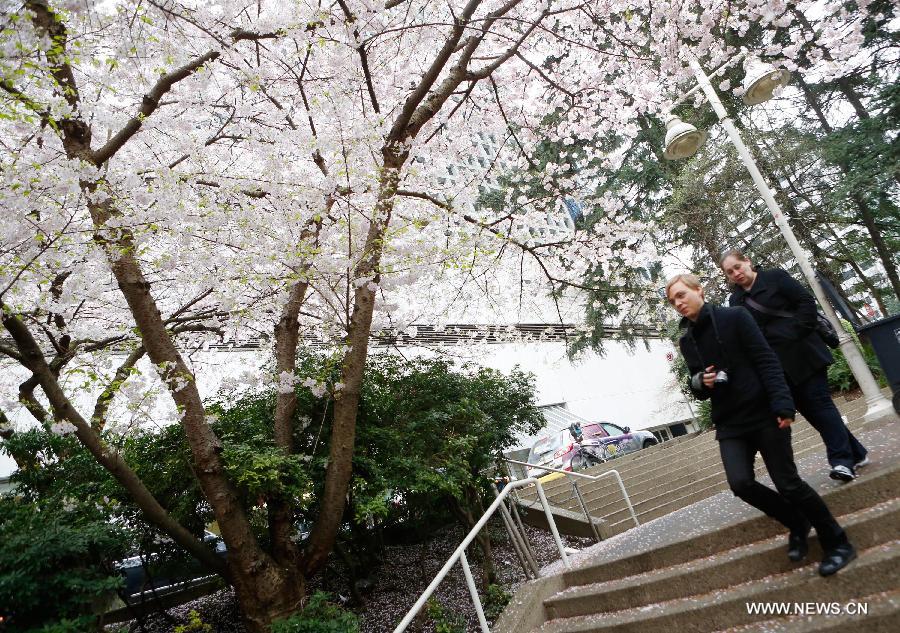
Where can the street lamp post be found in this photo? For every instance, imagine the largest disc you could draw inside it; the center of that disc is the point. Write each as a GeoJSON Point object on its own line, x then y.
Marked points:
{"type": "Point", "coordinates": [683, 141]}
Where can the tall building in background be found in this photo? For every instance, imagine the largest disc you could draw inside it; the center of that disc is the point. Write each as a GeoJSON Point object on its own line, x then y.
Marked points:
{"type": "Point", "coordinates": [483, 168]}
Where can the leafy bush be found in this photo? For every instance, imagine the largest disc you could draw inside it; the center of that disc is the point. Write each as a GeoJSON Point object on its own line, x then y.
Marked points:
{"type": "Point", "coordinates": [319, 616]}
{"type": "Point", "coordinates": [194, 625]}
{"type": "Point", "coordinates": [704, 414]}
{"type": "Point", "coordinates": [495, 601]}
{"type": "Point", "coordinates": [840, 378]}
{"type": "Point", "coordinates": [55, 564]}
{"type": "Point", "coordinates": [426, 430]}
{"type": "Point", "coordinates": [445, 621]}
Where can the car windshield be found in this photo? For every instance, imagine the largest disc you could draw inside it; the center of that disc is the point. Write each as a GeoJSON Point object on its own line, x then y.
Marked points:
{"type": "Point", "coordinates": [544, 445]}
{"type": "Point", "coordinates": [612, 429]}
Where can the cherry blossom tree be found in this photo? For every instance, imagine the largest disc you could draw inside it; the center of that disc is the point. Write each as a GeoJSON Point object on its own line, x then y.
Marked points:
{"type": "Point", "coordinates": [181, 173]}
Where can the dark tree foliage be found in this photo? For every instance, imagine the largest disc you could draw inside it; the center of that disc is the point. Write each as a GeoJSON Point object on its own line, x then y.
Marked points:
{"type": "Point", "coordinates": [428, 431]}
{"type": "Point", "coordinates": [56, 562]}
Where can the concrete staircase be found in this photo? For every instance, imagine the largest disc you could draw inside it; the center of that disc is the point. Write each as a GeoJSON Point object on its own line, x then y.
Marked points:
{"type": "Point", "coordinates": [670, 476]}
{"type": "Point", "coordinates": [709, 562]}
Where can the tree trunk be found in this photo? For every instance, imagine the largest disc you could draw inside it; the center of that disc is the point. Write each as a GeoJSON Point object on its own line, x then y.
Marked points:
{"type": "Point", "coordinates": [265, 590]}
{"type": "Point", "coordinates": [488, 567]}
{"type": "Point", "coordinates": [346, 405]}
{"type": "Point", "coordinates": [287, 336]}
{"type": "Point", "coordinates": [483, 539]}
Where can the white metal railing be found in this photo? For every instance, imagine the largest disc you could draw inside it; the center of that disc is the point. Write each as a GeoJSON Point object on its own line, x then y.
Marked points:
{"type": "Point", "coordinates": [569, 473]}
{"type": "Point", "coordinates": [460, 554]}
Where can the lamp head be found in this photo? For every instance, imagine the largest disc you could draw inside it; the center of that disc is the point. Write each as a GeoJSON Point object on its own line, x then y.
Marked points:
{"type": "Point", "coordinates": [761, 80]}
{"type": "Point", "coordinates": [682, 139]}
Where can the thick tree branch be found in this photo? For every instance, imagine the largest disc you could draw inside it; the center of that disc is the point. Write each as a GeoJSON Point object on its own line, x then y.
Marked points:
{"type": "Point", "coordinates": [149, 104]}
{"type": "Point", "coordinates": [398, 130]}
{"type": "Point", "coordinates": [30, 402]}
{"type": "Point", "coordinates": [62, 408]}
{"type": "Point", "coordinates": [287, 337]}
{"type": "Point", "coordinates": [75, 133]}
{"type": "Point", "coordinates": [457, 74]}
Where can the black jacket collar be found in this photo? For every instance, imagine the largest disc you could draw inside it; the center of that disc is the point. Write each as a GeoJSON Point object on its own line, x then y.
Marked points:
{"type": "Point", "coordinates": [702, 319]}
{"type": "Point", "coordinates": [759, 284]}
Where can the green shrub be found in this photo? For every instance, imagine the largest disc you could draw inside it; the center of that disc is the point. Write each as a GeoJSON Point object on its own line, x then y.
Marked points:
{"type": "Point", "coordinates": [194, 625]}
{"type": "Point", "coordinates": [445, 621]}
{"type": "Point", "coordinates": [840, 378]}
{"type": "Point", "coordinates": [495, 601]}
{"type": "Point", "coordinates": [319, 616]}
{"type": "Point", "coordinates": [55, 565]}
{"type": "Point", "coordinates": [704, 414]}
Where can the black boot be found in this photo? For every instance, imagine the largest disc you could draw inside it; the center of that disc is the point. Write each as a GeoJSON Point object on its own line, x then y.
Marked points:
{"type": "Point", "coordinates": [836, 559]}
{"type": "Point", "coordinates": [797, 543]}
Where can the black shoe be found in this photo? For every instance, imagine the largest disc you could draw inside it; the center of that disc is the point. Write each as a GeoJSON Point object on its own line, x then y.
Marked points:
{"type": "Point", "coordinates": [797, 547]}
{"type": "Point", "coordinates": [797, 544]}
{"type": "Point", "coordinates": [837, 559]}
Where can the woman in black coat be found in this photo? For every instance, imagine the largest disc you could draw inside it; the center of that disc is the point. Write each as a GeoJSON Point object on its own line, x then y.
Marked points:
{"type": "Point", "coordinates": [732, 365]}
{"type": "Point", "coordinates": [770, 296]}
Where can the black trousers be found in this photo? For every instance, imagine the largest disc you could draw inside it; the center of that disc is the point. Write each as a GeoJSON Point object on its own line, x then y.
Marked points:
{"type": "Point", "coordinates": [794, 500]}
{"type": "Point", "coordinates": [813, 400]}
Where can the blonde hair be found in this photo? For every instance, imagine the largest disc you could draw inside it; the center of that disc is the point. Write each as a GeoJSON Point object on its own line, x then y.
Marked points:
{"type": "Point", "coordinates": [688, 279]}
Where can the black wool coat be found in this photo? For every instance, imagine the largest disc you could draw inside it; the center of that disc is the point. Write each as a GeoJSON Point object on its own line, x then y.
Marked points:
{"type": "Point", "coordinates": [756, 392]}
{"type": "Point", "coordinates": [800, 349]}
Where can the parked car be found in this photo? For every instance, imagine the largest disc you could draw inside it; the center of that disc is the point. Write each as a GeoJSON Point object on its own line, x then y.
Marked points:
{"type": "Point", "coordinates": [142, 574]}
{"type": "Point", "coordinates": [604, 440]}
{"type": "Point", "coordinates": [155, 574]}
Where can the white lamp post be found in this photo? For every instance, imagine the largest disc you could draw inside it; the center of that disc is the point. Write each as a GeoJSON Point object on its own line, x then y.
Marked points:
{"type": "Point", "coordinates": [683, 140]}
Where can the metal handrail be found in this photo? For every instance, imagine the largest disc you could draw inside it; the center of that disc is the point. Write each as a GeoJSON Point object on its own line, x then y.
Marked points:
{"type": "Point", "coordinates": [460, 554]}
{"type": "Point", "coordinates": [569, 473]}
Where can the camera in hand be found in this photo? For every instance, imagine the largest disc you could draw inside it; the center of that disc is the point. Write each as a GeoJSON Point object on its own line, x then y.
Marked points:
{"type": "Point", "coordinates": [721, 377]}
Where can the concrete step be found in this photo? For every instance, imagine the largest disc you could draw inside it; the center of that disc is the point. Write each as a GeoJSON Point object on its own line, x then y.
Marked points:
{"type": "Point", "coordinates": [621, 521]}
{"type": "Point", "coordinates": [803, 435]}
{"type": "Point", "coordinates": [637, 461]}
{"type": "Point", "coordinates": [878, 613]}
{"type": "Point", "coordinates": [650, 472]}
{"type": "Point", "coordinates": [721, 528]}
{"type": "Point", "coordinates": [694, 471]}
{"type": "Point", "coordinates": [667, 481]}
{"type": "Point", "coordinates": [644, 472]}
{"type": "Point", "coordinates": [683, 446]}
{"type": "Point", "coordinates": [877, 487]}
{"type": "Point", "coordinates": [866, 528]}
{"type": "Point", "coordinates": [876, 568]}
{"type": "Point", "coordinates": [678, 492]}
